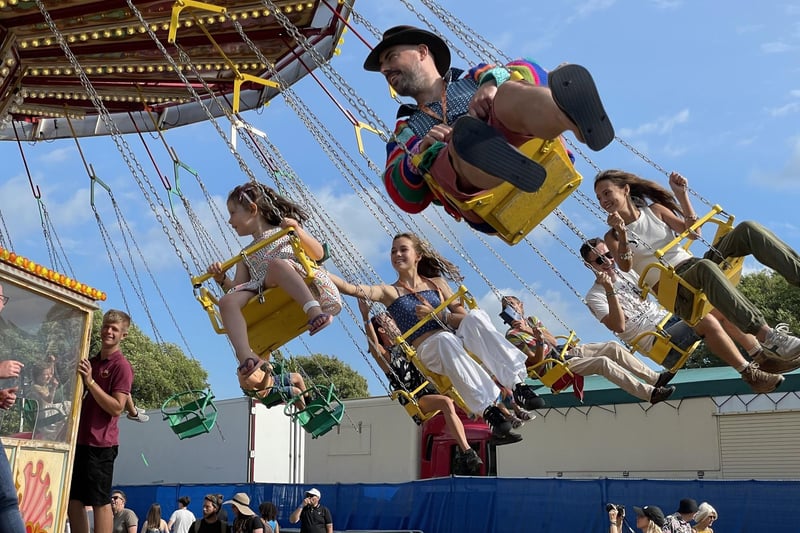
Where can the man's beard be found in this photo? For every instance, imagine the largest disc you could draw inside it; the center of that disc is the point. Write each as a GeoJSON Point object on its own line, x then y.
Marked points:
{"type": "Point", "coordinates": [408, 84]}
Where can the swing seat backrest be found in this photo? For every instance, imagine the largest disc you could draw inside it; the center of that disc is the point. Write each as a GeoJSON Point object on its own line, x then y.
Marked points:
{"type": "Point", "coordinates": [273, 318]}
{"type": "Point", "coordinates": [554, 372]}
{"type": "Point", "coordinates": [322, 413]}
{"type": "Point", "coordinates": [669, 281]}
{"type": "Point", "coordinates": [190, 413]}
{"type": "Point", "coordinates": [270, 396]}
{"type": "Point", "coordinates": [671, 348]}
{"type": "Point", "coordinates": [514, 213]}
{"type": "Point", "coordinates": [440, 381]}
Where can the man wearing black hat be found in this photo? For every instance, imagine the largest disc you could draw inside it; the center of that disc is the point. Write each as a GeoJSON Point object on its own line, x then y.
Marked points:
{"type": "Point", "coordinates": [678, 522]}
{"type": "Point", "coordinates": [467, 129]}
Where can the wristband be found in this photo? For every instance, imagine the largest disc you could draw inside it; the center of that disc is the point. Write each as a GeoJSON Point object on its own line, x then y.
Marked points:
{"type": "Point", "coordinates": [610, 293]}
{"type": "Point", "coordinates": [90, 383]}
{"type": "Point", "coordinates": [627, 255]}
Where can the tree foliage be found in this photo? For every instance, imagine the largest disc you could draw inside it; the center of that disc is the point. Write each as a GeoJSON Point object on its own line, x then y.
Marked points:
{"type": "Point", "coordinates": [160, 370]}
{"type": "Point", "coordinates": [319, 369]}
{"type": "Point", "coordinates": [777, 300]}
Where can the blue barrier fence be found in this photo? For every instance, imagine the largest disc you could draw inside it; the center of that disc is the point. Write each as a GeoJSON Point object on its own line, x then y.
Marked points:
{"type": "Point", "coordinates": [501, 505]}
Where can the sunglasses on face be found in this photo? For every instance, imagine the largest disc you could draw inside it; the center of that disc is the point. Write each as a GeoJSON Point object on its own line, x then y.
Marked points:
{"type": "Point", "coordinates": [4, 299]}
{"type": "Point", "coordinates": [602, 259]}
{"type": "Point", "coordinates": [114, 498]}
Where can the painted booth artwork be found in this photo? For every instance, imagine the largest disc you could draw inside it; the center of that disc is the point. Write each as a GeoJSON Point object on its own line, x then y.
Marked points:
{"type": "Point", "coordinates": [46, 327]}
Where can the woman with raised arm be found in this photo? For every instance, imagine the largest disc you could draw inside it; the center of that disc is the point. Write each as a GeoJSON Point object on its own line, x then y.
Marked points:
{"type": "Point", "coordinates": [645, 216]}
{"type": "Point", "coordinates": [420, 288]}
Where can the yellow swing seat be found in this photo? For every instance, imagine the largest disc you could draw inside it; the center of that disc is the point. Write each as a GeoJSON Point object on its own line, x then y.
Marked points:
{"type": "Point", "coordinates": [322, 413]}
{"type": "Point", "coordinates": [190, 413]}
{"type": "Point", "coordinates": [669, 352]}
{"type": "Point", "coordinates": [273, 317]}
{"type": "Point", "coordinates": [411, 404]}
{"type": "Point", "coordinates": [669, 281]}
{"type": "Point", "coordinates": [514, 213]}
{"type": "Point", "coordinates": [554, 372]}
{"type": "Point", "coordinates": [440, 381]}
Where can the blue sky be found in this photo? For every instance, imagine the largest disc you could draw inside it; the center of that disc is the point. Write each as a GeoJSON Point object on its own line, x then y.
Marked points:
{"type": "Point", "coordinates": [711, 92]}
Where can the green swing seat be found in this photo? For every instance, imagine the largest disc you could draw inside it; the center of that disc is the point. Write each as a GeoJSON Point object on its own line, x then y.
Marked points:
{"type": "Point", "coordinates": [322, 413]}
{"type": "Point", "coordinates": [190, 413]}
{"type": "Point", "coordinates": [270, 396]}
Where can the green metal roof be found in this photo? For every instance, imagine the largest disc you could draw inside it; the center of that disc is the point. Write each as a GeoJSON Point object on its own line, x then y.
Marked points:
{"type": "Point", "coordinates": [689, 383]}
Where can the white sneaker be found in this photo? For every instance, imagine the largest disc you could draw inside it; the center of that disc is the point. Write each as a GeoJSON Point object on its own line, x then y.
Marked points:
{"type": "Point", "coordinates": [780, 342]}
{"type": "Point", "coordinates": [140, 416]}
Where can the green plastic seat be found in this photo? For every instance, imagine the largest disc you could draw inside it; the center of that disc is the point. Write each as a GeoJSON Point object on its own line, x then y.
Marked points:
{"type": "Point", "coordinates": [321, 414]}
{"type": "Point", "coordinates": [270, 396]}
{"type": "Point", "coordinates": [190, 413]}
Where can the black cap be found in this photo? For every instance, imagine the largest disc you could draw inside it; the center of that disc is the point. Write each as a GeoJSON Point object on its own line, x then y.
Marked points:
{"type": "Point", "coordinates": [410, 35]}
{"type": "Point", "coordinates": [653, 513]}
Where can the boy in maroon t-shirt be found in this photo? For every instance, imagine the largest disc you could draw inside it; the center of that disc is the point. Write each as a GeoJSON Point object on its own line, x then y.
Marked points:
{"type": "Point", "coordinates": [107, 379]}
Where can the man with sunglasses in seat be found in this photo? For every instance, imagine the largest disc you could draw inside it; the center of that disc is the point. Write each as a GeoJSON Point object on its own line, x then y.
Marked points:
{"type": "Point", "coordinates": [614, 299]}
{"type": "Point", "coordinates": [608, 359]}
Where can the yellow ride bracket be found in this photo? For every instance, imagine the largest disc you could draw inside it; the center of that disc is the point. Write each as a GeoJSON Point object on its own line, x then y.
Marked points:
{"type": "Point", "coordinates": [441, 382]}
{"type": "Point", "coordinates": [179, 6]}
{"type": "Point", "coordinates": [242, 78]}
{"type": "Point", "coordinates": [669, 281]}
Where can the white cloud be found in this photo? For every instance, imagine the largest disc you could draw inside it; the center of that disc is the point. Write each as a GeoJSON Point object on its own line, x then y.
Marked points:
{"type": "Point", "coordinates": [776, 47]}
{"type": "Point", "coordinates": [786, 177]}
{"type": "Point", "coordinates": [666, 4]}
{"type": "Point", "coordinates": [589, 7]}
{"type": "Point", "coordinates": [660, 126]}
{"type": "Point", "coordinates": [57, 155]}
{"type": "Point", "coordinates": [788, 109]}
{"type": "Point", "coordinates": [794, 93]}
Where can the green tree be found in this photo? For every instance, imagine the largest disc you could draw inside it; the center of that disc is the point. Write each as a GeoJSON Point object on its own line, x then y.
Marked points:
{"type": "Point", "coordinates": [324, 369]}
{"type": "Point", "coordinates": [160, 370]}
{"type": "Point", "coordinates": [777, 300]}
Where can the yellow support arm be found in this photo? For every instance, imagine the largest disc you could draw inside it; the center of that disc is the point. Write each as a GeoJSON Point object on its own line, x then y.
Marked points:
{"type": "Point", "coordinates": [179, 6]}
{"type": "Point", "coordinates": [240, 79]}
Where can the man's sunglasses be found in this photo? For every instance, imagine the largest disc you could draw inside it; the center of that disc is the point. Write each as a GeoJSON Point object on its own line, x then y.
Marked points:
{"type": "Point", "coordinates": [602, 259]}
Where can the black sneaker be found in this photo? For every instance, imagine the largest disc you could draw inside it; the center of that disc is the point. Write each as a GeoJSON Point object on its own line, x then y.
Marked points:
{"type": "Point", "coordinates": [469, 462]}
{"type": "Point", "coordinates": [660, 394]}
{"type": "Point", "coordinates": [496, 421]}
{"type": "Point", "coordinates": [663, 379]}
{"type": "Point", "coordinates": [502, 440]}
{"type": "Point", "coordinates": [526, 398]}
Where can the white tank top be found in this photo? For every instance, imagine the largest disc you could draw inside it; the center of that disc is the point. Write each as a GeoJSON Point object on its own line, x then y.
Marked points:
{"type": "Point", "coordinates": [653, 231]}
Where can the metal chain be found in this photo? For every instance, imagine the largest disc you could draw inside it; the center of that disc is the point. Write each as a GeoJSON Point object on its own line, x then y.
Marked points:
{"type": "Point", "coordinates": [122, 146]}
{"type": "Point", "coordinates": [5, 235]}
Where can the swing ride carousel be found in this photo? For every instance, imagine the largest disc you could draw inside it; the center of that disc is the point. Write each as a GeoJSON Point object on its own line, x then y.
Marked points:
{"type": "Point", "coordinates": [79, 68]}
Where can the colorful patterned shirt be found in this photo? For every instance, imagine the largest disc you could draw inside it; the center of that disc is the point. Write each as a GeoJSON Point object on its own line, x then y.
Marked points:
{"type": "Point", "coordinates": [403, 180]}
{"type": "Point", "coordinates": [676, 524]}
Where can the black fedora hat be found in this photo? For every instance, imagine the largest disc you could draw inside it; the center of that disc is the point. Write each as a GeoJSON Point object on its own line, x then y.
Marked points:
{"type": "Point", "coordinates": [410, 35]}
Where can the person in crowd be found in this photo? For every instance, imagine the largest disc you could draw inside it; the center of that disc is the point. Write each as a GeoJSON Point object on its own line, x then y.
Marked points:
{"type": "Point", "coordinates": [124, 520]}
{"type": "Point", "coordinates": [10, 516]}
{"type": "Point", "coordinates": [404, 376]}
{"type": "Point", "coordinates": [644, 217]}
{"type": "Point", "coordinates": [260, 212]}
{"type": "Point", "coordinates": [313, 516]}
{"type": "Point", "coordinates": [245, 519]}
{"type": "Point", "coordinates": [210, 521]}
{"type": "Point", "coordinates": [154, 523]}
{"type": "Point", "coordinates": [443, 342]}
{"type": "Point", "coordinates": [269, 515]}
{"type": "Point", "coordinates": [182, 518]}
{"type": "Point", "coordinates": [681, 520]}
{"type": "Point", "coordinates": [107, 379]}
{"type": "Point", "coordinates": [467, 129]}
{"type": "Point", "coordinates": [607, 359]}
{"type": "Point", "coordinates": [704, 517]}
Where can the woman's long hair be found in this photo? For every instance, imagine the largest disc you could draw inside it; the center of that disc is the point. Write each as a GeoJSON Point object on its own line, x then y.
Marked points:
{"type": "Point", "coordinates": [640, 188]}
{"type": "Point", "coordinates": [431, 264]}
{"type": "Point", "coordinates": [268, 511]}
{"type": "Point", "coordinates": [154, 517]}
{"type": "Point", "coordinates": [273, 206]}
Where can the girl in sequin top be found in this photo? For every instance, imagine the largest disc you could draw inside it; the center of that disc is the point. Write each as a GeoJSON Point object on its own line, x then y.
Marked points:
{"type": "Point", "coordinates": [259, 211]}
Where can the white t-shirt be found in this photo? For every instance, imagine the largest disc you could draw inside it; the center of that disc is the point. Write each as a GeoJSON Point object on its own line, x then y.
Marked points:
{"type": "Point", "coordinates": [182, 520]}
{"type": "Point", "coordinates": [640, 316]}
{"type": "Point", "coordinates": [655, 233]}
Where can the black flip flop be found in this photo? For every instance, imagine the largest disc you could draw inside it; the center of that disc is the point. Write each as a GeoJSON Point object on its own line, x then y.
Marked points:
{"type": "Point", "coordinates": [484, 147]}
{"type": "Point", "coordinates": [575, 93]}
